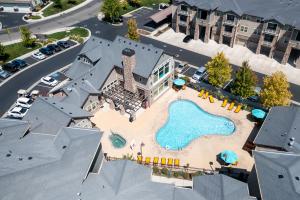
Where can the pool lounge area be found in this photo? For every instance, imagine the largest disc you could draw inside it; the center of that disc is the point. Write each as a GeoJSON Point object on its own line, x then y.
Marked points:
{"type": "Point", "coordinates": [199, 149]}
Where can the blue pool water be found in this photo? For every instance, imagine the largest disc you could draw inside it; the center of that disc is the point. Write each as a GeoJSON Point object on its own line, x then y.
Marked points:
{"type": "Point", "coordinates": [187, 122]}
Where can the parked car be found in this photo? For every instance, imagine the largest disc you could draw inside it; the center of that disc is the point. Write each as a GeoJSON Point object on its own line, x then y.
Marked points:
{"type": "Point", "coordinates": [4, 74]}
{"type": "Point", "coordinates": [38, 55]}
{"type": "Point", "coordinates": [48, 80]}
{"type": "Point", "coordinates": [187, 39]}
{"type": "Point", "coordinates": [54, 47]}
{"type": "Point", "coordinates": [255, 97]}
{"type": "Point", "coordinates": [19, 63]}
{"type": "Point", "coordinates": [46, 51]}
{"type": "Point", "coordinates": [10, 67]}
{"type": "Point", "coordinates": [17, 112]}
{"type": "Point", "coordinates": [180, 67]}
{"type": "Point", "coordinates": [63, 44]}
{"type": "Point", "coordinates": [24, 102]}
{"type": "Point", "coordinates": [199, 74]}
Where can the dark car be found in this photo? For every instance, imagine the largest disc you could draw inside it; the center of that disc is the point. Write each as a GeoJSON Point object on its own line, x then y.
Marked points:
{"type": "Point", "coordinates": [10, 67]}
{"type": "Point", "coordinates": [19, 63]}
{"type": "Point", "coordinates": [187, 39]}
{"type": "Point", "coordinates": [54, 47]}
{"type": "Point", "coordinates": [63, 44]}
{"type": "Point", "coordinates": [46, 51]}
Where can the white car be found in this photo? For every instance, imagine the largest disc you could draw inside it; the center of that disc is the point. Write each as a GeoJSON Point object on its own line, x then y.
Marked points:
{"type": "Point", "coordinates": [24, 102]}
{"type": "Point", "coordinates": [38, 55]}
{"type": "Point", "coordinates": [47, 80]}
{"type": "Point", "coordinates": [199, 74]}
{"type": "Point", "coordinates": [17, 112]}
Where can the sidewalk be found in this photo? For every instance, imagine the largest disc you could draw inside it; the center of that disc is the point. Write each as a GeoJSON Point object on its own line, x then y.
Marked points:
{"type": "Point", "coordinates": [236, 55]}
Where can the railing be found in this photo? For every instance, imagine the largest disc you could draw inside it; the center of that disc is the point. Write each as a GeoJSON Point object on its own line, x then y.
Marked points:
{"type": "Point", "coordinates": [183, 23]}
{"type": "Point", "coordinates": [296, 43]}
{"type": "Point", "coordinates": [270, 31]}
{"type": "Point", "coordinates": [201, 21]}
{"type": "Point", "coordinates": [183, 12]}
{"type": "Point", "coordinates": [267, 43]}
{"type": "Point", "coordinates": [230, 22]}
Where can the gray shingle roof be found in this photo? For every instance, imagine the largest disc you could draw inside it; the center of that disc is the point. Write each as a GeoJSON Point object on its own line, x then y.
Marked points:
{"type": "Point", "coordinates": [48, 115]}
{"type": "Point", "coordinates": [221, 187]}
{"type": "Point", "coordinates": [77, 69]}
{"type": "Point", "coordinates": [278, 175]}
{"type": "Point", "coordinates": [284, 11]}
{"type": "Point", "coordinates": [280, 125]}
{"type": "Point", "coordinates": [12, 129]}
{"type": "Point", "coordinates": [53, 172]}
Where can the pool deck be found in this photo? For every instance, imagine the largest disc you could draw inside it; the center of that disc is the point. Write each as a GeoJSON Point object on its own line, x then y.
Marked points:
{"type": "Point", "coordinates": [197, 154]}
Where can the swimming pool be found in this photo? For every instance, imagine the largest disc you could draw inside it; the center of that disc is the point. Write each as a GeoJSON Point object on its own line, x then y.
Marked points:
{"type": "Point", "coordinates": [117, 140]}
{"type": "Point", "coordinates": [187, 122]}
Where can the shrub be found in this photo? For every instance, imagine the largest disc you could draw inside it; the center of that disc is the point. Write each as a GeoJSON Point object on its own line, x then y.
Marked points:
{"type": "Point", "coordinates": [165, 171]}
{"type": "Point", "coordinates": [176, 174]}
{"type": "Point", "coordinates": [155, 170]}
{"type": "Point", "coordinates": [187, 79]}
{"type": "Point", "coordinates": [76, 38]}
{"type": "Point", "coordinates": [186, 175]}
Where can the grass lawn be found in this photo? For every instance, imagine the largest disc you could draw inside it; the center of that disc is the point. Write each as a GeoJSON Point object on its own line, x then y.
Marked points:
{"type": "Point", "coordinates": [76, 31]}
{"type": "Point", "coordinates": [34, 17]}
{"type": "Point", "coordinates": [66, 4]}
{"type": "Point", "coordinates": [17, 49]}
{"type": "Point", "coordinates": [147, 3]}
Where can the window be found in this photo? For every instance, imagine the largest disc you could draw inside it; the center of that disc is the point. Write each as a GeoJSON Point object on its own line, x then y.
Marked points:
{"type": "Point", "coordinates": [183, 18]}
{"type": "Point", "coordinates": [161, 72]}
{"type": "Point", "coordinates": [272, 26]}
{"type": "Point", "coordinates": [202, 14]}
{"type": "Point", "coordinates": [155, 76]}
{"type": "Point", "coordinates": [298, 36]}
{"type": "Point", "coordinates": [268, 38]}
{"type": "Point", "coordinates": [230, 17]}
{"type": "Point", "coordinates": [183, 7]}
{"type": "Point", "coordinates": [244, 29]}
{"type": "Point", "coordinates": [228, 28]}
{"type": "Point", "coordinates": [167, 69]}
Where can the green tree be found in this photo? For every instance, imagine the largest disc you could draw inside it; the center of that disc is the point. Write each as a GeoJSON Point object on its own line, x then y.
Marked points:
{"type": "Point", "coordinates": [27, 40]}
{"type": "Point", "coordinates": [58, 3]}
{"type": "Point", "coordinates": [2, 51]}
{"type": "Point", "coordinates": [245, 81]}
{"type": "Point", "coordinates": [112, 10]}
{"type": "Point", "coordinates": [135, 3]}
{"type": "Point", "coordinates": [132, 30]}
{"type": "Point", "coordinates": [219, 70]}
{"type": "Point", "coordinates": [275, 91]}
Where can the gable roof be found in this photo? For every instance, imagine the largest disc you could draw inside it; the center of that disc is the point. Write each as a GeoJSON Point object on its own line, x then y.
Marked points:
{"type": "Point", "coordinates": [48, 115]}
{"type": "Point", "coordinates": [278, 175]}
{"type": "Point", "coordinates": [280, 127]}
{"type": "Point", "coordinates": [12, 129]}
{"type": "Point", "coordinates": [58, 175]}
{"type": "Point", "coordinates": [284, 11]}
{"type": "Point", "coordinates": [221, 187]}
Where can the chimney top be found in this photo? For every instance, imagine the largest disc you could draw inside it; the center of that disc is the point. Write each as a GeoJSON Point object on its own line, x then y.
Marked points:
{"type": "Point", "coordinates": [128, 52]}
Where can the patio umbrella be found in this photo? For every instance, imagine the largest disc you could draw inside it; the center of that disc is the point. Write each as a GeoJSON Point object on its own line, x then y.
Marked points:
{"type": "Point", "coordinates": [258, 113]}
{"type": "Point", "coordinates": [179, 82]}
{"type": "Point", "coordinates": [229, 157]}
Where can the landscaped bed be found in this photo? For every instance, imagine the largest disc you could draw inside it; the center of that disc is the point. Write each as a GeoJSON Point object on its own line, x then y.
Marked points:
{"type": "Point", "coordinates": [147, 3]}
{"type": "Point", "coordinates": [65, 4]}
{"type": "Point", "coordinates": [76, 31]}
{"type": "Point", "coordinates": [17, 49]}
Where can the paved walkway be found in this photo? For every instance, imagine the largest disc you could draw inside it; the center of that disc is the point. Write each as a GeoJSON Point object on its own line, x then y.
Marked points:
{"type": "Point", "coordinates": [236, 55]}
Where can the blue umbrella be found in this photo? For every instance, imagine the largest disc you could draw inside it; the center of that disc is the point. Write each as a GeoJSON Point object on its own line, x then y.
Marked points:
{"type": "Point", "coordinates": [229, 157]}
{"type": "Point", "coordinates": [179, 82]}
{"type": "Point", "coordinates": [258, 113]}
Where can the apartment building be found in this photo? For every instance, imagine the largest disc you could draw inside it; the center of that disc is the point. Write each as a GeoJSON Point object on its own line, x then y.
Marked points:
{"type": "Point", "coordinates": [271, 27]}
{"type": "Point", "coordinates": [126, 74]}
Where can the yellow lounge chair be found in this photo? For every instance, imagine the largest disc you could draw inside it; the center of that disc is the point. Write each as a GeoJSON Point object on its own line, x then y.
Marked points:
{"type": "Point", "coordinates": [211, 99]}
{"type": "Point", "coordinates": [201, 93]}
{"type": "Point", "coordinates": [176, 162]}
{"type": "Point", "coordinates": [139, 159]}
{"type": "Point", "coordinates": [238, 108]}
{"type": "Point", "coordinates": [224, 104]}
{"type": "Point", "coordinates": [147, 160]}
{"type": "Point", "coordinates": [163, 161]}
{"type": "Point", "coordinates": [170, 161]}
{"type": "Point", "coordinates": [155, 160]}
{"type": "Point", "coordinates": [205, 95]}
{"type": "Point", "coordinates": [231, 106]}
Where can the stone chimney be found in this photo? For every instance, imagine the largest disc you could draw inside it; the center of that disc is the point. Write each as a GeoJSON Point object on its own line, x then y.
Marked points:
{"type": "Point", "coordinates": [129, 62]}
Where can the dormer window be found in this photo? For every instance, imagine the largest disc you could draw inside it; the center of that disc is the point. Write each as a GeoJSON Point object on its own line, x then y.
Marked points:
{"type": "Point", "coordinates": [272, 26]}
{"type": "Point", "coordinates": [230, 18]}
{"type": "Point", "coordinates": [202, 14]}
{"type": "Point", "coordinates": [183, 7]}
{"type": "Point", "coordinates": [298, 36]}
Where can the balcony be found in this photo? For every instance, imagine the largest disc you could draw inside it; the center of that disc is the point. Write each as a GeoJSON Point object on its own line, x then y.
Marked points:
{"type": "Point", "coordinates": [295, 43]}
{"type": "Point", "coordinates": [270, 31]}
{"type": "Point", "coordinates": [267, 43]}
{"type": "Point", "coordinates": [230, 22]}
{"type": "Point", "coordinates": [203, 22]}
{"type": "Point", "coordinates": [182, 23]}
{"type": "Point", "coordinates": [183, 12]}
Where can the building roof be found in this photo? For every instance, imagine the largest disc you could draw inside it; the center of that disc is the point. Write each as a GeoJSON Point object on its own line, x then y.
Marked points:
{"type": "Point", "coordinates": [284, 11]}
{"type": "Point", "coordinates": [281, 129]}
{"type": "Point", "coordinates": [57, 167]}
{"type": "Point", "coordinates": [221, 187]}
{"type": "Point", "coordinates": [12, 129]}
{"type": "Point", "coordinates": [278, 175]}
{"type": "Point", "coordinates": [48, 115]}
{"type": "Point", "coordinates": [161, 15]}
